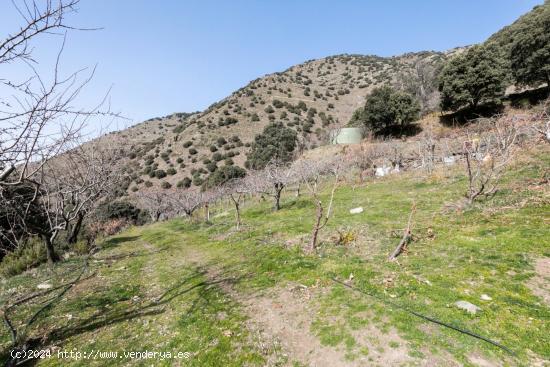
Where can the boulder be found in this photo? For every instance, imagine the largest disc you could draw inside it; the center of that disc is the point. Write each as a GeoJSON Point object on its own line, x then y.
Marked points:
{"type": "Point", "coordinates": [468, 307]}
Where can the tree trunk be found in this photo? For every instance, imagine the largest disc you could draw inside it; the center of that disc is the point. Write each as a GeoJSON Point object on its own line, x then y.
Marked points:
{"type": "Point", "coordinates": [75, 230]}
{"type": "Point", "coordinates": [278, 189]}
{"type": "Point", "coordinates": [237, 210]}
{"type": "Point", "coordinates": [50, 251]}
{"type": "Point", "coordinates": [316, 227]}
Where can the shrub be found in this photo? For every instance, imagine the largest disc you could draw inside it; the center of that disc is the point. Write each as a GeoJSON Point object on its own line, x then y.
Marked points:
{"type": "Point", "coordinates": [160, 173]}
{"type": "Point", "coordinates": [275, 142]}
{"type": "Point", "coordinates": [171, 171]}
{"type": "Point", "coordinates": [530, 49]}
{"type": "Point", "coordinates": [472, 78]}
{"type": "Point", "coordinates": [187, 144]}
{"type": "Point", "coordinates": [193, 151]}
{"type": "Point", "coordinates": [211, 167]}
{"type": "Point", "coordinates": [30, 255]}
{"type": "Point", "coordinates": [165, 185]}
{"type": "Point", "coordinates": [386, 107]}
{"type": "Point", "coordinates": [225, 174]}
{"type": "Point", "coordinates": [185, 183]}
{"type": "Point", "coordinates": [120, 210]}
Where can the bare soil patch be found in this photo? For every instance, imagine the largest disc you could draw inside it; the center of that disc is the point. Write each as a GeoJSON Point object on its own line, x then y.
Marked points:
{"type": "Point", "coordinates": [540, 283]}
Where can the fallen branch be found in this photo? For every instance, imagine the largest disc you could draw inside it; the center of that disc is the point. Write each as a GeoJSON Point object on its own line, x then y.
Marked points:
{"type": "Point", "coordinates": [407, 236]}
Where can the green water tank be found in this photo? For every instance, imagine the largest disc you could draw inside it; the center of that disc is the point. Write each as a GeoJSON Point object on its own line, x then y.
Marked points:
{"type": "Point", "coordinates": [346, 135]}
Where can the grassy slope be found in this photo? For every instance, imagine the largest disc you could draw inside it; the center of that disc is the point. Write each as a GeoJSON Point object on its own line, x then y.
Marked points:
{"type": "Point", "coordinates": [168, 292]}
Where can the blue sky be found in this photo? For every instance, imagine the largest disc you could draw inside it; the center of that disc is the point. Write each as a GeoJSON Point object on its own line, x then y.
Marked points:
{"type": "Point", "coordinates": [173, 56]}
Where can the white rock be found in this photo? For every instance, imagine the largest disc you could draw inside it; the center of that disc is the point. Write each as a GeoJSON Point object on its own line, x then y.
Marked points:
{"type": "Point", "coordinates": [356, 210]}
{"type": "Point", "coordinates": [44, 286]}
{"type": "Point", "coordinates": [382, 171]}
{"type": "Point", "coordinates": [449, 161]}
{"type": "Point", "coordinates": [467, 306]}
{"type": "Point", "coordinates": [485, 297]}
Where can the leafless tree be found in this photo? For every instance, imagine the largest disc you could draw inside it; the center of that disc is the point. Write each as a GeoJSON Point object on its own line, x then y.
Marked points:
{"type": "Point", "coordinates": [186, 201]}
{"type": "Point", "coordinates": [426, 150]}
{"type": "Point", "coordinates": [271, 181]}
{"type": "Point", "coordinates": [310, 172]}
{"type": "Point", "coordinates": [420, 81]}
{"type": "Point", "coordinates": [156, 202]}
{"type": "Point", "coordinates": [67, 189]}
{"type": "Point", "coordinates": [236, 190]}
{"type": "Point", "coordinates": [38, 122]}
{"type": "Point", "coordinates": [487, 154]}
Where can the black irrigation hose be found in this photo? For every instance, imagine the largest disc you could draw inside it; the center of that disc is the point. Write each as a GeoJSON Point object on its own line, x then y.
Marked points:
{"type": "Point", "coordinates": [427, 318]}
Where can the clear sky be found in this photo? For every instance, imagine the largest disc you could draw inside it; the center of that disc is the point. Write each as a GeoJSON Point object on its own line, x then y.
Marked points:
{"type": "Point", "coordinates": [177, 56]}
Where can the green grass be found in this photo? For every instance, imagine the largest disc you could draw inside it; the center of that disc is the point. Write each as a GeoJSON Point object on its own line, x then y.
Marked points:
{"type": "Point", "coordinates": [169, 292]}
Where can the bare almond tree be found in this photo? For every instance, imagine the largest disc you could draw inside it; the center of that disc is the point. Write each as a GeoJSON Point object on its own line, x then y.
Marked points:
{"type": "Point", "coordinates": [156, 202]}
{"type": "Point", "coordinates": [236, 190]}
{"type": "Point", "coordinates": [426, 150]}
{"type": "Point", "coordinates": [487, 154]}
{"type": "Point", "coordinates": [310, 172]}
{"type": "Point", "coordinates": [39, 122]}
{"type": "Point", "coordinates": [271, 181]}
{"type": "Point", "coordinates": [185, 202]}
{"type": "Point", "coordinates": [69, 187]}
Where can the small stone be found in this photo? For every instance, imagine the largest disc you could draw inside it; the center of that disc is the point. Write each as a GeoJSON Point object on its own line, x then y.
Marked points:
{"type": "Point", "coordinates": [356, 210]}
{"type": "Point", "coordinates": [44, 286]}
{"type": "Point", "coordinates": [468, 307]}
{"type": "Point", "coordinates": [485, 297]}
{"type": "Point", "coordinates": [227, 333]}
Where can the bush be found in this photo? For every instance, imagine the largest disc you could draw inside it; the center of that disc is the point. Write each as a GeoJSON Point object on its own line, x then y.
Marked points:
{"type": "Point", "coordinates": [28, 256]}
{"type": "Point", "coordinates": [213, 148]}
{"type": "Point", "coordinates": [387, 107]}
{"type": "Point", "coordinates": [211, 167]}
{"type": "Point", "coordinates": [165, 185]}
{"type": "Point", "coordinates": [120, 210]}
{"type": "Point", "coordinates": [530, 50]}
{"type": "Point", "coordinates": [473, 78]}
{"type": "Point", "coordinates": [225, 174]}
{"type": "Point", "coordinates": [185, 183]}
{"type": "Point", "coordinates": [276, 142]}
{"type": "Point", "coordinates": [187, 144]}
{"type": "Point", "coordinates": [160, 173]}
{"type": "Point", "coordinates": [193, 151]}
{"type": "Point", "coordinates": [171, 171]}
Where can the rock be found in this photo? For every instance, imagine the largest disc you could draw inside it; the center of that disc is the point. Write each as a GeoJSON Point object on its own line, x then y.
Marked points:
{"type": "Point", "coordinates": [449, 161]}
{"type": "Point", "coordinates": [44, 286]}
{"type": "Point", "coordinates": [468, 307]}
{"type": "Point", "coordinates": [485, 297]}
{"type": "Point", "coordinates": [227, 333]}
{"type": "Point", "coordinates": [382, 171]}
{"type": "Point", "coordinates": [356, 210]}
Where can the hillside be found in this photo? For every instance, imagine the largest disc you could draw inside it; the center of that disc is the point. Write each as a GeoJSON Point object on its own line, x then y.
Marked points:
{"type": "Point", "coordinates": [312, 98]}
